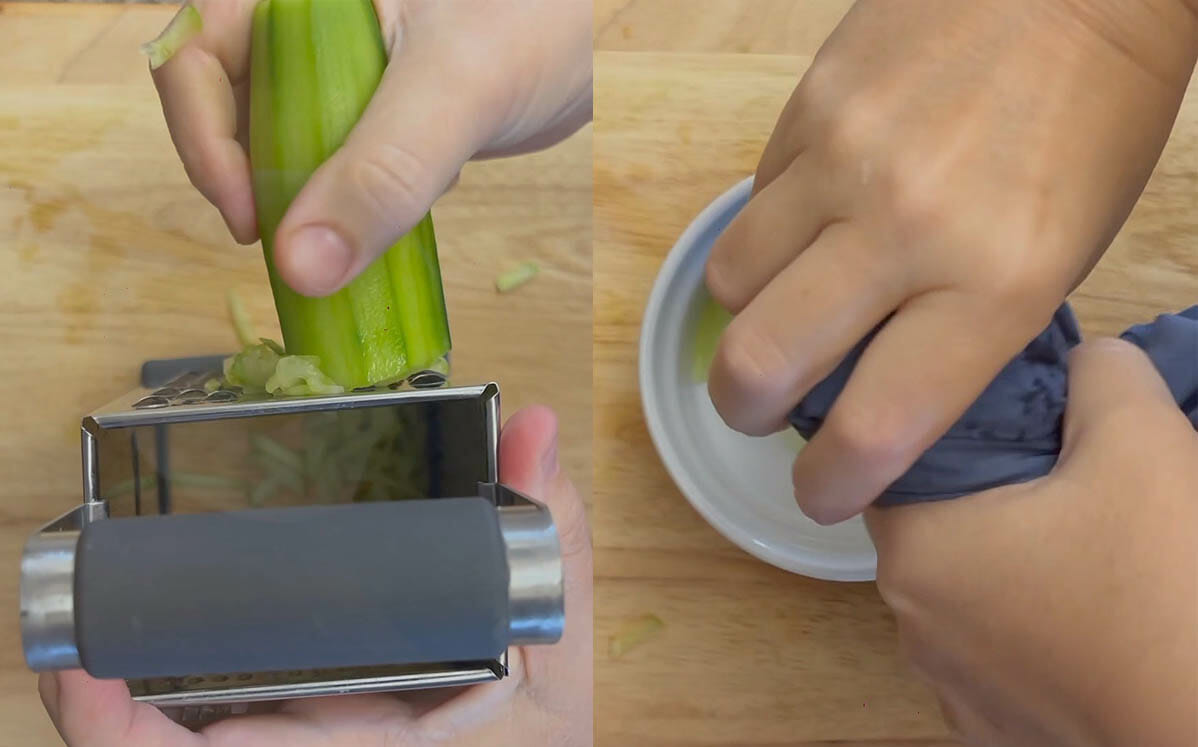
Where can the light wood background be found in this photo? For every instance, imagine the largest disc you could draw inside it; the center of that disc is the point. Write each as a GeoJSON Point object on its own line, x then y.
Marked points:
{"type": "Point", "coordinates": [686, 95]}
{"type": "Point", "coordinates": [108, 257]}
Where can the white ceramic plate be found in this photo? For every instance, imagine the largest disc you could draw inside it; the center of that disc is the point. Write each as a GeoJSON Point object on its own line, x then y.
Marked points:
{"type": "Point", "coordinates": [741, 485]}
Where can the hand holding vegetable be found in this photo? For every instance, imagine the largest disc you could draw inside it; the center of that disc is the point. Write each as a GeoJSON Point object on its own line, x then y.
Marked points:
{"type": "Point", "coordinates": [545, 701]}
{"type": "Point", "coordinates": [1064, 611]}
{"type": "Point", "coordinates": [953, 169]}
{"type": "Point", "coordinates": [465, 79]}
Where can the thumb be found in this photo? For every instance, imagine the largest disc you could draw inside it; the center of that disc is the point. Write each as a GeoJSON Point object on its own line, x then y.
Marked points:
{"type": "Point", "coordinates": [1114, 394]}
{"type": "Point", "coordinates": [419, 129]}
{"type": "Point", "coordinates": [101, 712]}
{"type": "Point", "coordinates": [1112, 385]}
{"type": "Point", "coordinates": [528, 462]}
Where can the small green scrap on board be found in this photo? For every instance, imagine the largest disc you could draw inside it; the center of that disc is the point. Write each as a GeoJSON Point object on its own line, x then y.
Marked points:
{"type": "Point", "coordinates": [516, 277]}
{"type": "Point", "coordinates": [634, 633]}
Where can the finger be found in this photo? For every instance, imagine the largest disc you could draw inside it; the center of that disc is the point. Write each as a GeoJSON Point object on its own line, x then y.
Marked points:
{"type": "Point", "coordinates": [528, 450]}
{"type": "Point", "coordinates": [798, 329]}
{"type": "Point", "coordinates": [349, 709]}
{"type": "Point", "coordinates": [47, 689]}
{"type": "Point", "coordinates": [528, 456]}
{"type": "Point", "coordinates": [348, 719]}
{"type": "Point", "coordinates": [528, 462]}
{"type": "Point", "coordinates": [914, 380]}
{"type": "Point", "coordinates": [196, 88]}
{"type": "Point", "coordinates": [475, 707]}
{"type": "Point", "coordinates": [421, 126]}
{"type": "Point", "coordinates": [1108, 377]}
{"type": "Point", "coordinates": [778, 224]}
{"type": "Point", "coordinates": [783, 146]}
{"type": "Point", "coordinates": [100, 713]}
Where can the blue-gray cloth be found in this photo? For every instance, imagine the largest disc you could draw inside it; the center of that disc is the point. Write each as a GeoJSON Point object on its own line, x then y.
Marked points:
{"type": "Point", "coordinates": [1012, 432]}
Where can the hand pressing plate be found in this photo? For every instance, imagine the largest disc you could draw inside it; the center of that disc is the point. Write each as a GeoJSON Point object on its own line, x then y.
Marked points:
{"type": "Point", "coordinates": [739, 484]}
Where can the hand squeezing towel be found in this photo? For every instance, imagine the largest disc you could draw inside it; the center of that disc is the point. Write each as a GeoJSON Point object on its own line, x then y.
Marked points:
{"type": "Point", "coordinates": [1012, 432]}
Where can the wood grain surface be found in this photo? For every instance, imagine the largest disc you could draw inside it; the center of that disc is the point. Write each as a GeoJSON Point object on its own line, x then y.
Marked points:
{"type": "Point", "coordinates": [108, 257]}
{"type": "Point", "coordinates": [686, 96]}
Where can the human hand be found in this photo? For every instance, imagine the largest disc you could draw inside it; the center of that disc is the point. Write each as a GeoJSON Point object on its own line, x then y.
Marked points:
{"type": "Point", "coordinates": [466, 79]}
{"type": "Point", "coordinates": [961, 166]}
{"type": "Point", "coordinates": [1064, 611]}
{"type": "Point", "coordinates": [546, 700]}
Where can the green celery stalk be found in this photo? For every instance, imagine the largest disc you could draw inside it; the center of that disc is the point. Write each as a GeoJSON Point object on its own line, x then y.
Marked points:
{"type": "Point", "coordinates": [315, 65]}
{"type": "Point", "coordinates": [185, 25]}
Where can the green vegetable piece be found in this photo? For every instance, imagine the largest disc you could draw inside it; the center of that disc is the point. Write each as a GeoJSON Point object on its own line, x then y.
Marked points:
{"type": "Point", "coordinates": [264, 491]}
{"type": "Point", "coordinates": [206, 482]}
{"type": "Point", "coordinates": [315, 65]}
{"type": "Point", "coordinates": [514, 278]}
{"type": "Point", "coordinates": [633, 634]}
{"type": "Point", "coordinates": [125, 487]}
{"type": "Point", "coordinates": [276, 451]}
{"type": "Point", "coordinates": [186, 24]}
{"type": "Point", "coordinates": [713, 319]}
{"type": "Point", "coordinates": [298, 375]}
{"type": "Point", "coordinates": [242, 325]}
{"type": "Point", "coordinates": [252, 368]}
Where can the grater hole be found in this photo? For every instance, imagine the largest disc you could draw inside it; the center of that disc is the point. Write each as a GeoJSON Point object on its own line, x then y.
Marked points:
{"type": "Point", "coordinates": [151, 402]}
{"type": "Point", "coordinates": [426, 380]}
{"type": "Point", "coordinates": [191, 395]}
{"type": "Point", "coordinates": [221, 395]}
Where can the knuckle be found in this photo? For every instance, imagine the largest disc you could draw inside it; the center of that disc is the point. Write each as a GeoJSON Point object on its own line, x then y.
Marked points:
{"type": "Point", "coordinates": [894, 582]}
{"type": "Point", "coordinates": [1013, 290]}
{"type": "Point", "coordinates": [1106, 348]}
{"type": "Point", "coordinates": [873, 435]}
{"type": "Point", "coordinates": [908, 575]}
{"type": "Point", "coordinates": [852, 131]}
{"type": "Point", "coordinates": [719, 277]}
{"type": "Point", "coordinates": [201, 162]}
{"type": "Point", "coordinates": [750, 366]}
{"type": "Point", "coordinates": [820, 84]}
{"type": "Point", "coordinates": [1014, 280]}
{"type": "Point", "coordinates": [391, 181]}
{"type": "Point", "coordinates": [821, 513]}
{"type": "Point", "coordinates": [917, 201]}
{"type": "Point", "coordinates": [573, 531]}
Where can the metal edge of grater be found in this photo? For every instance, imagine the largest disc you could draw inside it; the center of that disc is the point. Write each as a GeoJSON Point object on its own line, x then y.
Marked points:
{"type": "Point", "coordinates": [535, 591]}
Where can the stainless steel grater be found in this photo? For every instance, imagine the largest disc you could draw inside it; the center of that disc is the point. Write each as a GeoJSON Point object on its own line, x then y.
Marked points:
{"type": "Point", "coordinates": [234, 550]}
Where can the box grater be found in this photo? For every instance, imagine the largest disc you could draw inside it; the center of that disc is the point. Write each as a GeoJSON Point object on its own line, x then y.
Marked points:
{"type": "Point", "coordinates": [234, 550]}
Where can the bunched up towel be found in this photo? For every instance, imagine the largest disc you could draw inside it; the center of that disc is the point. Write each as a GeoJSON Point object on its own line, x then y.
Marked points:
{"type": "Point", "coordinates": [1012, 432]}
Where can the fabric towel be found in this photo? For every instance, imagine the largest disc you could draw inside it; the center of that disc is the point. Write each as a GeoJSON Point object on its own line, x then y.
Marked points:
{"type": "Point", "coordinates": [1012, 433]}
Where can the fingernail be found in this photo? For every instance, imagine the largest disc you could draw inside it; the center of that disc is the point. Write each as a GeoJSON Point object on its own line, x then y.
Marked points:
{"type": "Point", "coordinates": [319, 258]}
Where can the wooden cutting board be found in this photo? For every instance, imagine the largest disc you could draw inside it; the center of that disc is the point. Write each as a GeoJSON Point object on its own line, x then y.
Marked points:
{"type": "Point", "coordinates": [108, 257]}
{"type": "Point", "coordinates": [751, 655]}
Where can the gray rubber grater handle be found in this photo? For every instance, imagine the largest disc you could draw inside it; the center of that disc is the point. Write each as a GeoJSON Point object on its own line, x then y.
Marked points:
{"type": "Point", "coordinates": [298, 588]}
